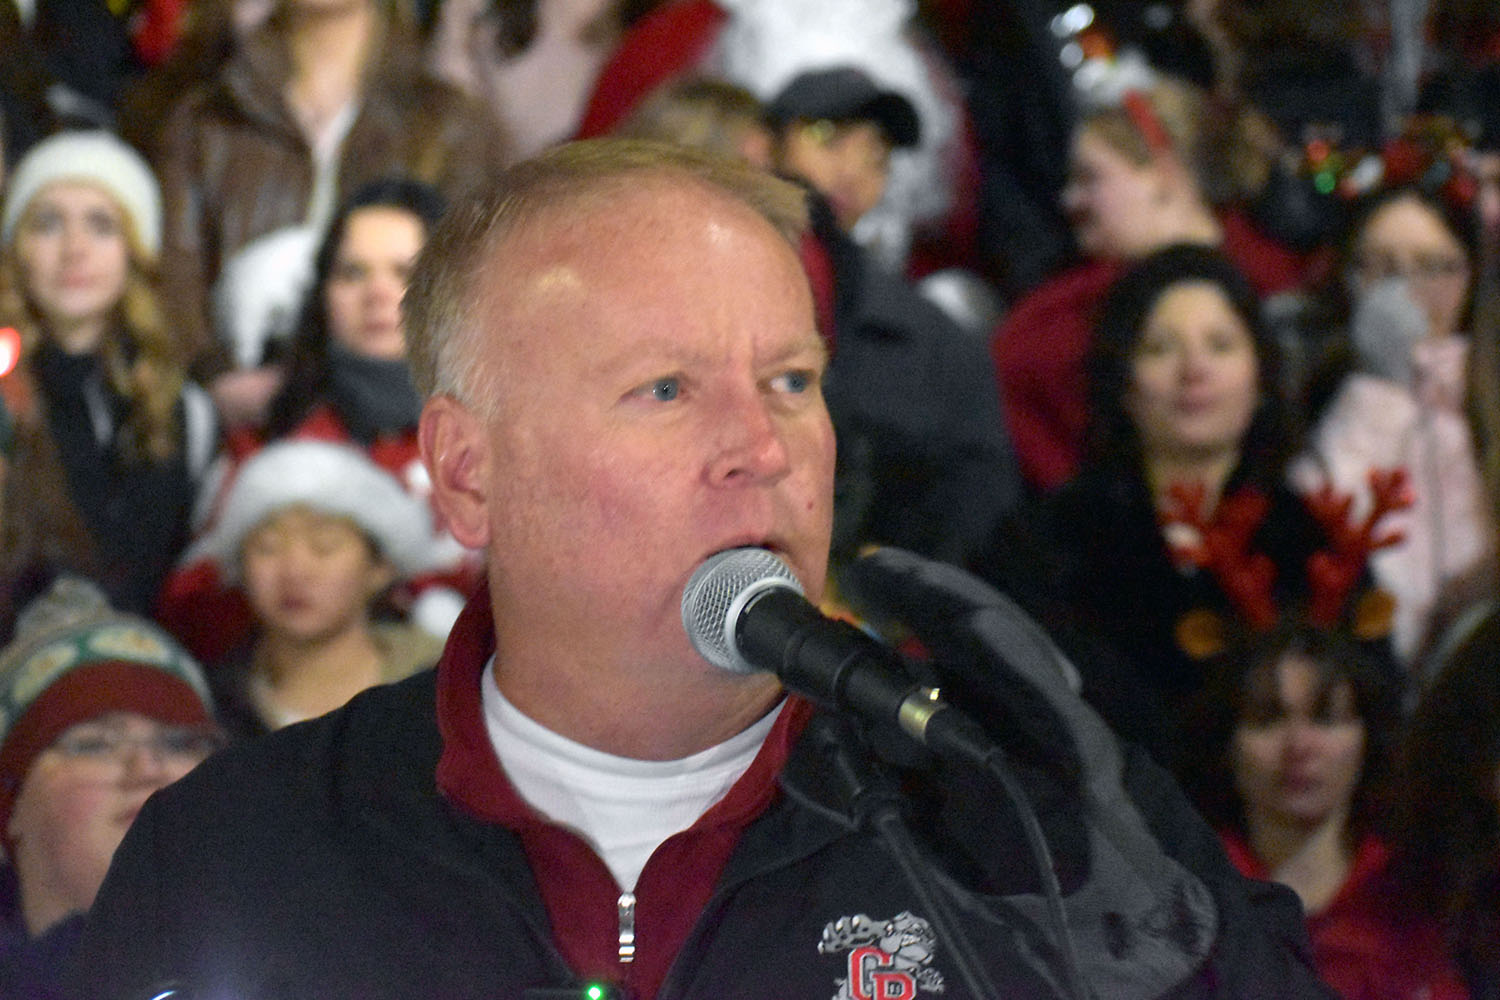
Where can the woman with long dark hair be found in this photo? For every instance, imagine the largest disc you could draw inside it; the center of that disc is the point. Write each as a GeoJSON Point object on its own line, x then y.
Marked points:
{"type": "Point", "coordinates": [1293, 743]}
{"type": "Point", "coordinates": [1187, 433]}
{"type": "Point", "coordinates": [346, 381]}
{"type": "Point", "coordinates": [346, 365]}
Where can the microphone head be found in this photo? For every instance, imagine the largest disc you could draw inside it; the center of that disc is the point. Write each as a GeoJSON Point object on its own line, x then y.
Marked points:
{"type": "Point", "coordinates": [716, 595]}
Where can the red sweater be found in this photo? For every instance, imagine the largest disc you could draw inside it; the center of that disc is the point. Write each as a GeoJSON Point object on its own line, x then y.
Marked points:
{"type": "Point", "coordinates": [1365, 947]}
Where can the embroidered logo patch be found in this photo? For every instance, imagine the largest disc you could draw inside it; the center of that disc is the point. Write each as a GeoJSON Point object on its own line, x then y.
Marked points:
{"type": "Point", "coordinates": [888, 959]}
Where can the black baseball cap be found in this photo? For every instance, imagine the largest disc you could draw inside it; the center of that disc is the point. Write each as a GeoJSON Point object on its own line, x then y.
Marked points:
{"type": "Point", "coordinates": [845, 93]}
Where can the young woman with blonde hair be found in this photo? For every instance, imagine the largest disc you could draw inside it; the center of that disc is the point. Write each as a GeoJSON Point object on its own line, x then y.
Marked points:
{"type": "Point", "coordinates": [107, 400]}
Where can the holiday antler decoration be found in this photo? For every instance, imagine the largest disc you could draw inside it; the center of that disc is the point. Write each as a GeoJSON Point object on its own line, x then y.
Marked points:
{"type": "Point", "coordinates": [1221, 545]}
{"type": "Point", "coordinates": [1333, 572]}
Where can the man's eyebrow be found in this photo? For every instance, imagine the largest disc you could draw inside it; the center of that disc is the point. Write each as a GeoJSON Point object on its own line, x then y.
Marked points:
{"type": "Point", "coordinates": [812, 344]}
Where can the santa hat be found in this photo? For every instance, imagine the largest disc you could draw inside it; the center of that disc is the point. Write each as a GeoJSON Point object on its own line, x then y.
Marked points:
{"type": "Point", "coordinates": [331, 479]}
{"type": "Point", "coordinates": [73, 659]}
{"type": "Point", "coordinates": [97, 158]}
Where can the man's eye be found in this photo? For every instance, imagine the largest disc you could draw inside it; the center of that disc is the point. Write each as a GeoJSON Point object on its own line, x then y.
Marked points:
{"type": "Point", "coordinates": [665, 389]}
{"type": "Point", "coordinates": [795, 382]}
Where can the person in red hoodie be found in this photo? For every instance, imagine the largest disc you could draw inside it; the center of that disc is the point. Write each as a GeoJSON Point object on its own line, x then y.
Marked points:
{"type": "Point", "coordinates": [1298, 730]}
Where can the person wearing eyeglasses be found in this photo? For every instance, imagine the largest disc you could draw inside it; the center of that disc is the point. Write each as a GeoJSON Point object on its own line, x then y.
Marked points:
{"type": "Point", "coordinates": [1408, 275]}
{"type": "Point", "coordinates": [98, 710]}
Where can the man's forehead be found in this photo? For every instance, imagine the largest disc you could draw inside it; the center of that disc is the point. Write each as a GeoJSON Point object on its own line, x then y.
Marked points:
{"type": "Point", "coordinates": [638, 267]}
{"type": "Point", "coordinates": [671, 200]}
{"type": "Point", "coordinates": [598, 234]}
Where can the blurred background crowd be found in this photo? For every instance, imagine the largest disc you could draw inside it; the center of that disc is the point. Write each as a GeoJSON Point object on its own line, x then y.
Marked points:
{"type": "Point", "coordinates": [1179, 322]}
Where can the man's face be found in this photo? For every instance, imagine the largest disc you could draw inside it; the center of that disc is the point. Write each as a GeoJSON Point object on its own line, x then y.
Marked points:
{"type": "Point", "coordinates": [658, 401]}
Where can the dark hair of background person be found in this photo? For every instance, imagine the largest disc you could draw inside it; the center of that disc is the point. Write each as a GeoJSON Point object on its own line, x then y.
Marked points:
{"type": "Point", "coordinates": [1302, 62]}
{"type": "Point", "coordinates": [1247, 676]}
{"type": "Point", "coordinates": [1463, 27]}
{"type": "Point", "coordinates": [307, 362]}
{"type": "Point", "coordinates": [1445, 835]}
{"type": "Point", "coordinates": [1264, 26]}
{"type": "Point", "coordinates": [1112, 437]}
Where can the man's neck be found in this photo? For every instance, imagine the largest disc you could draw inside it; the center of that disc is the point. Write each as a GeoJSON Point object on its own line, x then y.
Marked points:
{"type": "Point", "coordinates": [640, 720]}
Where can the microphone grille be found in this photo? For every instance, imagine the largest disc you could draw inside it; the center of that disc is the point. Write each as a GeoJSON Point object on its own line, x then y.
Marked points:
{"type": "Point", "coordinates": [717, 593]}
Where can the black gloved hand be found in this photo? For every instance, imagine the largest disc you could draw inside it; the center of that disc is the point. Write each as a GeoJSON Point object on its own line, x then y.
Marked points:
{"type": "Point", "coordinates": [1139, 918]}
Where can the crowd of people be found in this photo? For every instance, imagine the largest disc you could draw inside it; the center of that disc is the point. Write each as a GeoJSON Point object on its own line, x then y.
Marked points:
{"type": "Point", "coordinates": [374, 374]}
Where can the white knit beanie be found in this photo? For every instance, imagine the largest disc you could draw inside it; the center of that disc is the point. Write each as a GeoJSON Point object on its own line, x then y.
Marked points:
{"type": "Point", "coordinates": [329, 478]}
{"type": "Point", "coordinates": [94, 157]}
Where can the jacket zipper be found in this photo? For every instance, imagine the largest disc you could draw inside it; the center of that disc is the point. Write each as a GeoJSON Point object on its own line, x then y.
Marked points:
{"type": "Point", "coordinates": [625, 910]}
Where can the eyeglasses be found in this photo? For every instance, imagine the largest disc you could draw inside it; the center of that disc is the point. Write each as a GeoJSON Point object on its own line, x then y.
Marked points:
{"type": "Point", "coordinates": [1379, 267]}
{"type": "Point", "coordinates": [176, 744]}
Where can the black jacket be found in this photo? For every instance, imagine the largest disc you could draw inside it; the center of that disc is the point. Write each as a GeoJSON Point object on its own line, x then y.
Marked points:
{"type": "Point", "coordinates": [1089, 561]}
{"type": "Point", "coordinates": [323, 861]}
{"type": "Point", "coordinates": [924, 459]}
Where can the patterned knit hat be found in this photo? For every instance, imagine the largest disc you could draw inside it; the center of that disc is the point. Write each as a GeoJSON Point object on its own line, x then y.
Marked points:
{"type": "Point", "coordinates": [73, 659]}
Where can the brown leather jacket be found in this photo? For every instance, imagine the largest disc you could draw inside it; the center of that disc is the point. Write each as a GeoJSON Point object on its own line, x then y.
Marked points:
{"type": "Point", "coordinates": [234, 165]}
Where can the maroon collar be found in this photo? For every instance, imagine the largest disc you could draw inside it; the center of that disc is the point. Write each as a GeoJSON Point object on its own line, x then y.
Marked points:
{"type": "Point", "coordinates": [580, 895]}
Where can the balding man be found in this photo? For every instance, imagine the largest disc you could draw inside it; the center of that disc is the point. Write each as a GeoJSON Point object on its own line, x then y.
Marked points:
{"type": "Point", "coordinates": [624, 378]}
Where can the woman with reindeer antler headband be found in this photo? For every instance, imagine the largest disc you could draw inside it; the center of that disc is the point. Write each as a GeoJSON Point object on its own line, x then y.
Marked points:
{"type": "Point", "coordinates": [1186, 448]}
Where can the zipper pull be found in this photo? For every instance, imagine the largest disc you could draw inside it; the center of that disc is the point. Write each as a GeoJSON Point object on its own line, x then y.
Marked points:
{"type": "Point", "coordinates": [625, 908]}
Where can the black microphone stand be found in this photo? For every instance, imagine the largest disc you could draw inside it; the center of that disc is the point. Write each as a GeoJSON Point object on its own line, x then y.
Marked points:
{"type": "Point", "coordinates": [873, 805]}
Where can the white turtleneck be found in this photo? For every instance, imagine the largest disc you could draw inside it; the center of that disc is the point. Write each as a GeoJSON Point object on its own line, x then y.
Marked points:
{"type": "Point", "coordinates": [624, 808]}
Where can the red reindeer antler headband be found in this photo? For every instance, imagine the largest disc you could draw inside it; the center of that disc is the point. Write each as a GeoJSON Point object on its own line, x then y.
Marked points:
{"type": "Point", "coordinates": [1223, 546]}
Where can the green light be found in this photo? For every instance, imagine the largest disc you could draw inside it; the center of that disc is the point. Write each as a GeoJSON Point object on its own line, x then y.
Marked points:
{"type": "Point", "coordinates": [594, 992]}
{"type": "Point", "coordinates": [1325, 182]}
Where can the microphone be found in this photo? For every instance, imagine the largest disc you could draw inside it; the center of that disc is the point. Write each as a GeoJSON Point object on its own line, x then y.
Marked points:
{"type": "Point", "coordinates": [745, 612]}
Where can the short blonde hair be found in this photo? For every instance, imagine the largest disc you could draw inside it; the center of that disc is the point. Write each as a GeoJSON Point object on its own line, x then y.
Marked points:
{"type": "Point", "coordinates": [1222, 148]}
{"type": "Point", "coordinates": [700, 112]}
{"type": "Point", "coordinates": [443, 293]}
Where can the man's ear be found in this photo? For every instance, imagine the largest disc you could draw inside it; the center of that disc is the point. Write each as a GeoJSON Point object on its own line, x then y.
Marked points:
{"type": "Point", "coordinates": [456, 452]}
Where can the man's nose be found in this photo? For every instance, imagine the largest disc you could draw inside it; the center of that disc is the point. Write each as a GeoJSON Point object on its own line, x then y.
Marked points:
{"type": "Point", "coordinates": [750, 448]}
